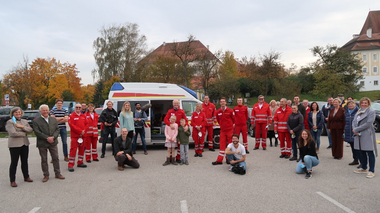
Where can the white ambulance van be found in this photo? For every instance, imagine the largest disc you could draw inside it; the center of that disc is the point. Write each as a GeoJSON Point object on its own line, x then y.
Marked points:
{"type": "Point", "coordinates": [160, 96]}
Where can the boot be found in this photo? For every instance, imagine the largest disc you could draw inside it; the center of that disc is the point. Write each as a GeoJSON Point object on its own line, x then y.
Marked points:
{"type": "Point", "coordinates": [167, 162]}
{"type": "Point", "coordinates": [276, 142]}
{"type": "Point", "coordinates": [271, 144]}
{"type": "Point", "coordinates": [66, 158]}
{"type": "Point", "coordinates": [174, 161]}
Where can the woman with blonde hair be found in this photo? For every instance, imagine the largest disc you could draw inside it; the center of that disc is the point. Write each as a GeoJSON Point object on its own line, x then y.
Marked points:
{"type": "Point", "coordinates": [126, 119]}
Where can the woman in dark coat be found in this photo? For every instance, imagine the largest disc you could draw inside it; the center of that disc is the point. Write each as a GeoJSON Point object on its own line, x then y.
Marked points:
{"type": "Point", "coordinates": [335, 124]}
{"type": "Point", "coordinates": [365, 138]}
{"type": "Point", "coordinates": [295, 124]}
{"type": "Point", "coordinates": [350, 113]}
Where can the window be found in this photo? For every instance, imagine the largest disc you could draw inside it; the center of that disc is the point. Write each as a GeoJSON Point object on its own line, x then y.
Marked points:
{"type": "Point", "coordinates": [365, 71]}
{"type": "Point", "coordinates": [361, 83]}
{"type": "Point", "coordinates": [375, 70]}
{"type": "Point", "coordinates": [375, 57]}
{"type": "Point", "coordinates": [375, 83]}
{"type": "Point", "coordinates": [364, 57]}
{"type": "Point", "coordinates": [189, 107]}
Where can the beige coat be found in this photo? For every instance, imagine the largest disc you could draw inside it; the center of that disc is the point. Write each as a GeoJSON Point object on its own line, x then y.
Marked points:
{"type": "Point", "coordinates": [17, 136]}
{"type": "Point", "coordinates": [273, 110]}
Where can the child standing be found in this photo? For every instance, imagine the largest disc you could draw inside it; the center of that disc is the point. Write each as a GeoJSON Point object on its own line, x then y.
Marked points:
{"type": "Point", "coordinates": [171, 141]}
{"type": "Point", "coordinates": [183, 140]}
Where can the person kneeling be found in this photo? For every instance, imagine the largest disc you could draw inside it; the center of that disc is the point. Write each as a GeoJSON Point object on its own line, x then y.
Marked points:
{"type": "Point", "coordinates": [123, 150]}
{"type": "Point", "coordinates": [308, 154]}
{"type": "Point", "coordinates": [236, 155]}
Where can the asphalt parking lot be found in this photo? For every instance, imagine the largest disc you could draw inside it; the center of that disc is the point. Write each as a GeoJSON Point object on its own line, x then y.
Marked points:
{"type": "Point", "coordinates": [270, 185]}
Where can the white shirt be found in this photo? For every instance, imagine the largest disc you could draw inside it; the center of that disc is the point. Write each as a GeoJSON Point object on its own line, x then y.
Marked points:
{"type": "Point", "coordinates": [46, 119]}
{"type": "Point", "coordinates": [260, 105]}
{"type": "Point", "coordinates": [240, 148]}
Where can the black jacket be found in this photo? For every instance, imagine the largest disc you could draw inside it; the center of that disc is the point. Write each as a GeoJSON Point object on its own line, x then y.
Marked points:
{"type": "Point", "coordinates": [109, 116]}
{"type": "Point", "coordinates": [121, 145]}
{"type": "Point", "coordinates": [295, 122]}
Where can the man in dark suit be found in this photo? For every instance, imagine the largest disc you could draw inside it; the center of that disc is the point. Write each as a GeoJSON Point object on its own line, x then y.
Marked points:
{"type": "Point", "coordinates": [47, 131]}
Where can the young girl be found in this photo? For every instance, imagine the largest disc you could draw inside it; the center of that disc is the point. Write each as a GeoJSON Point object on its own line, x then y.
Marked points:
{"type": "Point", "coordinates": [171, 141]}
{"type": "Point", "coordinates": [308, 154]}
{"type": "Point", "coordinates": [183, 140]}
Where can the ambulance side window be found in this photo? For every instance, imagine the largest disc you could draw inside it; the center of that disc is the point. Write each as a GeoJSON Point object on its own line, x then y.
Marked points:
{"type": "Point", "coordinates": [189, 107]}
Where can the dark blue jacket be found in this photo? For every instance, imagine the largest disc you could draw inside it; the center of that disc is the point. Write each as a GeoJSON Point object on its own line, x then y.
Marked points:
{"type": "Point", "coordinates": [348, 134]}
{"type": "Point", "coordinates": [320, 120]}
{"type": "Point", "coordinates": [326, 111]}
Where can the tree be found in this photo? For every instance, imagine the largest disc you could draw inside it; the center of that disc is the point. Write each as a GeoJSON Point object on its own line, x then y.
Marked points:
{"type": "Point", "coordinates": [187, 54]}
{"type": "Point", "coordinates": [107, 86]}
{"type": "Point", "coordinates": [207, 67]}
{"type": "Point", "coordinates": [229, 67]}
{"type": "Point", "coordinates": [117, 51]}
{"type": "Point", "coordinates": [165, 69]}
{"type": "Point", "coordinates": [98, 99]}
{"type": "Point", "coordinates": [88, 93]}
{"type": "Point", "coordinates": [270, 68]}
{"type": "Point", "coordinates": [335, 71]}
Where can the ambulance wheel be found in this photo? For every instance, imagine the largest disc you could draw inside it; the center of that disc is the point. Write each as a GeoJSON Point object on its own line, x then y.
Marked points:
{"type": "Point", "coordinates": [216, 139]}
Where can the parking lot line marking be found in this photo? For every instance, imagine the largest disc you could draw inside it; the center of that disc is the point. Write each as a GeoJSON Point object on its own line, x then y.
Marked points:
{"type": "Point", "coordinates": [184, 206]}
{"type": "Point", "coordinates": [335, 202]}
{"type": "Point", "coordinates": [34, 210]}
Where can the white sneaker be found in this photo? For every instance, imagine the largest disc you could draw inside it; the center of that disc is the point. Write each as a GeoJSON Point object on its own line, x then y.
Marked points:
{"type": "Point", "coordinates": [361, 171]}
{"type": "Point", "coordinates": [370, 175]}
{"type": "Point", "coordinates": [230, 169]}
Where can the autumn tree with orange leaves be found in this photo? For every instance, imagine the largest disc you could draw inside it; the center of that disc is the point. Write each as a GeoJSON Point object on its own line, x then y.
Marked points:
{"type": "Point", "coordinates": [42, 82]}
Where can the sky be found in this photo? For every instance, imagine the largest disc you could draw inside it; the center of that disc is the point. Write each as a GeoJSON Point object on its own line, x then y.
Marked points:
{"type": "Point", "coordinates": [67, 29]}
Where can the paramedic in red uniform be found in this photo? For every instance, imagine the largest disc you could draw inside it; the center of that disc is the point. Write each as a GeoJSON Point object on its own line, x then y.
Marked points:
{"type": "Point", "coordinates": [226, 119]}
{"type": "Point", "coordinates": [78, 124]}
{"type": "Point", "coordinates": [91, 139]}
{"type": "Point", "coordinates": [179, 113]}
{"type": "Point", "coordinates": [281, 128]}
{"type": "Point", "coordinates": [261, 116]}
{"type": "Point", "coordinates": [241, 117]}
{"type": "Point", "coordinates": [198, 122]}
{"type": "Point", "coordinates": [209, 110]}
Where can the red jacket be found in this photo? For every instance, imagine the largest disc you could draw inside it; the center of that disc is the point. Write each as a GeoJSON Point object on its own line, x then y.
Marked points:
{"type": "Point", "coordinates": [77, 124]}
{"type": "Point", "coordinates": [210, 112]}
{"type": "Point", "coordinates": [225, 118]}
{"type": "Point", "coordinates": [261, 116]}
{"type": "Point", "coordinates": [92, 129]}
{"type": "Point", "coordinates": [305, 121]}
{"type": "Point", "coordinates": [281, 118]}
{"type": "Point", "coordinates": [198, 119]}
{"type": "Point", "coordinates": [179, 114]}
{"type": "Point", "coordinates": [241, 115]}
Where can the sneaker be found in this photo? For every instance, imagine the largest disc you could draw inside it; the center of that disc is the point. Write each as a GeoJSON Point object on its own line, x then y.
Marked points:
{"type": "Point", "coordinates": [361, 171]}
{"type": "Point", "coordinates": [230, 169]}
{"type": "Point", "coordinates": [187, 163]}
{"type": "Point", "coordinates": [308, 175]}
{"type": "Point", "coordinates": [370, 175]}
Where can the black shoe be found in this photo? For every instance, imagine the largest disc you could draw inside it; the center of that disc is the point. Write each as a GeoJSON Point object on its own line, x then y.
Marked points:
{"type": "Point", "coordinates": [88, 161]}
{"type": "Point", "coordinates": [328, 147]}
{"type": "Point", "coordinates": [264, 148]}
{"type": "Point", "coordinates": [308, 175]}
{"type": "Point", "coordinates": [227, 161]}
{"type": "Point", "coordinates": [246, 151]}
{"type": "Point", "coordinates": [304, 169]}
{"type": "Point", "coordinates": [293, 159]}
{"type": "Point", "coordinates": [275, 144]}
{"type": "Point", "coordinates": [212, 149]}
{"type": "Point", "coordinates": [282, 156]}
{"type": "Point", "coordinates": [216, 163]}
{"type": "Point", "coordinates": [178, 160]}
{"type": "Point", "coordinates": [355, 162]}
{"type": "Point", "coordinates": [96, 160]}
{"type": "Point", "coordinates": [287, 156]}
{"type": "Point", "coordinates": [102, 156]}
{"type": "Point", "coordinates": [71, 169]}
{"type": "Point", "coordinates": [255, 148]}
{"type": "Point", "coordinates": [200, 155]}
{"type": "Point", "coordinates": [359, 166]}
{"type": "Point", "coordinates": [271, 145]}
{"type": "Point", "coordinates": [82, 165]}
{"type": "Point", "coordinates": [196, 155]}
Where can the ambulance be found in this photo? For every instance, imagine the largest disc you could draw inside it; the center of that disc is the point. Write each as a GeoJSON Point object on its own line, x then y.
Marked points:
{"type": "Point", "coordinates": [160, 96]}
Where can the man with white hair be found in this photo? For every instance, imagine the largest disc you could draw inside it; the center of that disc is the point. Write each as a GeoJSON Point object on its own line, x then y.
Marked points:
{"type": "Point", "coordinates": [47, 131]}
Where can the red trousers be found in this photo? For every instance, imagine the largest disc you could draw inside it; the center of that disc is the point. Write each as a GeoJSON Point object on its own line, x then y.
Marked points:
{"type": "Point", "coordinates": [210, 136]}
{"type": "Point", "coordinates": [74, 145]}
{"type": "Point", "coordinates": [285, 150]}
{"type": "Point", "coordinates": [91, 142]}
{"type": "Point", "coordinates": [336, 142]}
{"type": "Point", "coordinates": [225, 139]}
{"type": "Point", "coordinates": [199, 142]}
{"type": "Point", "coordinates": [261, 135]}
{"type": "Point", "coordinates": [243, 130]}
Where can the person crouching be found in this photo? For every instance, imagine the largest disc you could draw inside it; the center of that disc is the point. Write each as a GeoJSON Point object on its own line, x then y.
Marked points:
{"type": "Point", "coordinates": [235, 153]}
{"type": "Point", "coordinates": [123, 150]}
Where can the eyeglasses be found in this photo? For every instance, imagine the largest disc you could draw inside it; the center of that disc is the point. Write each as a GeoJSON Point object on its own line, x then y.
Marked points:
{"type": "Point", "coordinates": [78, 107]}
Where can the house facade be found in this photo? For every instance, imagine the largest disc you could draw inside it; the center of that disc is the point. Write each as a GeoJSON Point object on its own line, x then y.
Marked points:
{"type": "Point", "coordinates": [367, 46]}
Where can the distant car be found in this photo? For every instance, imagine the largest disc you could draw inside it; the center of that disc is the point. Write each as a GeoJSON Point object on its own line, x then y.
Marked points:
{"type": "Point", "coordinates": [30, 115]}
{"type": "Point", "coordinates": [66, 104]}
{"type": "Point", "coordinates": [99, 111]}
{"type": "Point", "coordinates": [4, 116]}
{"type": "Point", "coordinates": [251, 131]}
{"type": "Point", "coordinates": [376, 124]}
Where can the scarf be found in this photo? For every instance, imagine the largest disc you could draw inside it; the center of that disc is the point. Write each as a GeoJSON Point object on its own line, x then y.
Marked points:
{"type": "Point", "coordinates": [362, 111]}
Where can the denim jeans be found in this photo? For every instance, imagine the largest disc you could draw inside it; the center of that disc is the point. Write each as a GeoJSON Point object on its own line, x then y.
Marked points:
{"type": "Point", "coordinates": [63, 133]}
{"type": "Point", "coordinates": [106, 132]}
{"type": "Point", "coordinates": [366, 156]}
{"type": "Point", "coordinates": [328, 134]}
{"type": "Point", "coordinates": [310, 161]}
{"type": "Point", "coordinates": [184, 151]}
{"type": "Point", "coordinates": [355, 153]}
{"type": "Point", "coordinates": [316, 136]}
{"type": "Point", "coordinates": [295, 144]}
{"type": "Point", "coordinates": [140, 131]}
{"type": "Point", "coordinates": [241, 164]}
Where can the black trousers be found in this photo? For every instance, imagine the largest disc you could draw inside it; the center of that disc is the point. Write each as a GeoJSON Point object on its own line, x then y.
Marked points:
{"type": "Point", "coordinates": [16, 153]}
{"type": "Point", "coordinates": [123, 159]}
